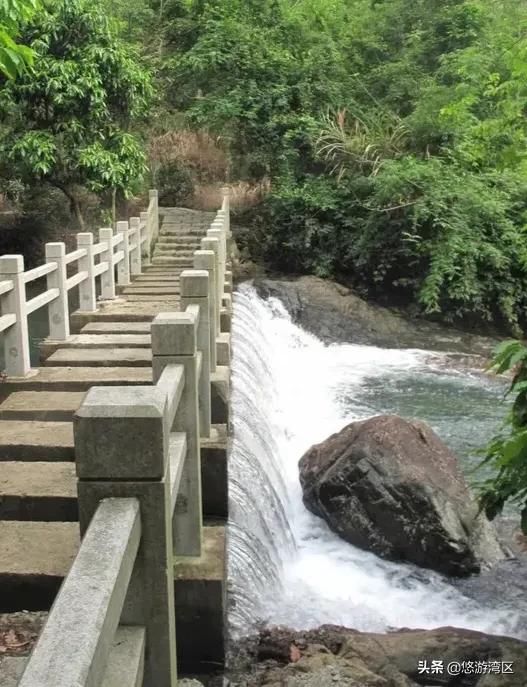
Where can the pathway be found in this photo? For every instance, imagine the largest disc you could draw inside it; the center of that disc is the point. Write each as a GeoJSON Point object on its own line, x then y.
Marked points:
{"type": "Point", "coordinates": [39, 533]}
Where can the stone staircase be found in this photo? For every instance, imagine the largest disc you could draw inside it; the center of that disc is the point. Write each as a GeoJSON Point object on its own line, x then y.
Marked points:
{"type": "Point", "coordinates": [180, 235]}
{"type": "Point", "coordinates": [39, 534]}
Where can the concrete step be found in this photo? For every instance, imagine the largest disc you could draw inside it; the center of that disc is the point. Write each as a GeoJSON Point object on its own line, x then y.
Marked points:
{"type": "Point", "coordinates": [174, 251]}
{"type": "Point", "coordinates": [175, 242]}
{"type": "Point", "coordinates": [41, 406]}
{"type": "Point", "coordinates": [36, 441]}
{"type": "Point", "coordinates": [77, 378]}
{"type": "Point", "coordinates": [34, 559]}
{"type": "Point", "coordinates": [40, 491]}
{"type": "Point", "coordinates": [154, 278]}
{"type": "Point", "coordinates": [182, 263]}
{"type": "Point", "coordinates": [87, 341]}
{"type": "Point", "coordinates": [36, 556]}
{"type": "Point", "coordinates": [49, 346]}
{"type": "Point", "coordinates": [164, 302]}
{"type": "Point", "coordinates": [104, 357]}
{"type": "Point", "coordinates": [126, 311]}
{"type": "Point", "coordinates": [156, 269]}
{"type": "Point", "coordinates": [154, 290]}
{"type": "Point", "coordinates": [173, 255]}
{"type": "Point", "coordinates": [117, 328]}
{"type": "Point", "coordinates": [199, 585]}
{"type": "Point", "coordinates": [161, 246]}
{"type": "Point", "coordinates": [195, 233]}
{"type": "Point", "coordinates": [46, 491]}
{"type": "Point", "coordinates": [158, 272]}
{"type": "Point", "coordinates": [179, 240]}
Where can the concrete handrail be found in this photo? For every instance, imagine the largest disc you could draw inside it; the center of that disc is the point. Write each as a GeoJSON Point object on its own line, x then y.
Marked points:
{"type": "Point", "coordinates": [119, 252]}
{"type": "Point", "coordinates": [70, 652]}
{"type": "Point", "coordinates": [139, 485]}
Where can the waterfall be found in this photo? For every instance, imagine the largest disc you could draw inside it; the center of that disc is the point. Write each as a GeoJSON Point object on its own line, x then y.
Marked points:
{"type": "Point", "coordinates": [284, 564]}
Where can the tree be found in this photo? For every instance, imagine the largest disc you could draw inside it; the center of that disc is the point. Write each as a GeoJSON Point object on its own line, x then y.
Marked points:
{"type": "Point", "coordinates": [70, 120]}
{"type": "Point", "coordinates": [15, 57]}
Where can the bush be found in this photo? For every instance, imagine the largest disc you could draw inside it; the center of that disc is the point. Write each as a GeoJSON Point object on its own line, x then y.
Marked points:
{"type": "Point", "coordinates": [420, 232]}
{"type": "Point", "coordinates": [507, 451]}
{"type": "Point", "coordinates": [175, 184]}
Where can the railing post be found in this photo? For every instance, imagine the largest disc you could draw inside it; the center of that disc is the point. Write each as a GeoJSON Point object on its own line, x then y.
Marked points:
{"type": "Point", "coordinates": [123, 268]}
{"type": "Point", "coordinates": [16, 338]}
{"type": "Point", "coordinates": [217, 232]}
{"type": "Point", "coordinates": [154, 195]}
{"type": "Point", "coordinates": [136, 262]}
{"type": "Point", "coordinates": [108, 277]}
{"type": "Point", "coordinates": [58, 310]}
{"type": "Point", "coordinates": [87, 288]}
{"type": "Point", "coordinates": [195, 291]}
{"type": "Point", "coordinates": [121, 449]}
{"type": "Point", "coordinates": [174, 341]}
{"type": "Point", "coordinates": [213, 244]}
{"type": "Point", "coordinates": [205, 260]}
{"type": "Point", "coordinates": [226, 207]}
{"type": "Point", "coordinates": [148, 233]}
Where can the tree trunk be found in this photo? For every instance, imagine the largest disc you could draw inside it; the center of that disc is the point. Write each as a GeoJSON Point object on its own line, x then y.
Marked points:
{"type": "Point", "coordinates": [114, 208]}
{"type": "Point", "coordinates": [161, 33]}
{"type": "Point", "coordinates": [75, 207]}
{"type": "Point", "coordinates": [78, 213]}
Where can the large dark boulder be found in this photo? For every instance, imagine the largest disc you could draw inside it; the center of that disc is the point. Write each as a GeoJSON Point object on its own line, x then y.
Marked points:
{"type": "Point", "coordinates": [391, 486]}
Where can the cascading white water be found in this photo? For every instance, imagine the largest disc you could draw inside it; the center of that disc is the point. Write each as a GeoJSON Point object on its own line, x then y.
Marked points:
{"type": "Point", "coordinates": [285, 565]}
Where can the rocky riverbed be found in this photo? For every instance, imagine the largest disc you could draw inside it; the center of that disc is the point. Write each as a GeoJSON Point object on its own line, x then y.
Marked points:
{"type": "Point", "coordinates": [339, 657]}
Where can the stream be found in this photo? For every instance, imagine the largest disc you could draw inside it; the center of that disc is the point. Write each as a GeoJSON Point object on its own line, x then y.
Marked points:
{"type": "Point", "coordinates": [290, 391]}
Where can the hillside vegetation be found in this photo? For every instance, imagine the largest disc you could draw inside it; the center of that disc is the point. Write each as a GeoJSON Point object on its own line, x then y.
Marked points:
{"type": "Point", "coordinates": [391, 134]}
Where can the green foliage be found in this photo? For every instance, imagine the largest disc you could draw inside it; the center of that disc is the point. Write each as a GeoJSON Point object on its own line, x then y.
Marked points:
{"type": "Point", "coordinates": [257, 73]}
{"type": "Point", "coordinates": [70, 118]}
{"type": "Point", "coordinates": [14, 56]}
{"type": "Point", "coordinates": [175, 184]}
{"type": "Point", "coordinates": [418, 139]}
{"type": "Point", "coordinates": [507, 452]}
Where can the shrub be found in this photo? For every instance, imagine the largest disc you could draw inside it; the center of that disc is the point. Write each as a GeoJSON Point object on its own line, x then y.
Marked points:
{"type": "Point", "coordinates": [507, 451]}
{"type": "Point", "coordinates": [175, 184]}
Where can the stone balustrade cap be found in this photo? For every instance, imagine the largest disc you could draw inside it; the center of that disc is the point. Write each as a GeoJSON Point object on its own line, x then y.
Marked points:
{"type": "Point", "coordinates": [204, 259]}
{"type": "Point", "coordinates": [123, 401]}
{"type": "Point", "coordinates": [121, 434]}
{"type": "Point", "coordinates": [11, 264]}
{"type": "Point", "coordinates": [194, 283]}
{"type": "Point", "coordinates": [55, 250]}
{"type": "Point", "coordinates": [174, 333]}
{"type": "Point", "coordinates": [85, 238]}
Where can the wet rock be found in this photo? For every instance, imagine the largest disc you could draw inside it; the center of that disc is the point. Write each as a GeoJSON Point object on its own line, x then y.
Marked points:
{"type": "Point", "coordinates": [391, 486]}
{"type": "Point", "coordinates": [335, 314]}
{"type": "Point", "coordinates": [338, 656]}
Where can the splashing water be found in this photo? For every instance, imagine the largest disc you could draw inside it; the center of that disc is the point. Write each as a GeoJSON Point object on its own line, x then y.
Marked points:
{"type": "Point", "coordinates": [289, 392]}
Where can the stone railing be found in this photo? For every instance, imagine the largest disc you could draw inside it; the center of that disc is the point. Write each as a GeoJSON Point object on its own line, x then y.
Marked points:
{"type": "Point", "coordinates": [139, 487]}
{"type": "Point", "coordinates": [94, 269]}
